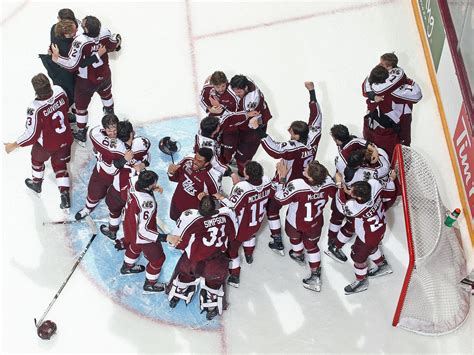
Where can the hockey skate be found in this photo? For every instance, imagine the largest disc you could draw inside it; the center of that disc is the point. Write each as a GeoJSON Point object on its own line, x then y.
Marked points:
{"type": "Point", "coordinates": [107, 232]}
{"type": "Point", "coordinates": [35, 186]}
{"type": "Point", "coordinates": [233, 281]}
{"type": "Point", "coordinates": [276, 245]}
{"type": "Point", "coordinates": [356, 286]}
{"type": "Point", "coordinates": [336, 253]}
{"type": "Point", "coordinates": [149, 287]}
{"type": "Point", "coordinates": [298, 258]}
{"type": "Point", "coordinates": [249, 259]}
{"type": "Point", "coordinates": [81, 136]}
{"type": "Point", "coordinates": [211, 313]}
{"type": "Point", "coordinates": [65, 200]}
{"type": "Point", "coordinates": [173, 302]}
{"type": "Point", "coordinates": [380, 270]}
{"type": "Point", "coordinates": [130, 270]}
{"type": "Point", "coordinates": [81, 214]}
{"type": "Point", "coordinates": [313, 282]}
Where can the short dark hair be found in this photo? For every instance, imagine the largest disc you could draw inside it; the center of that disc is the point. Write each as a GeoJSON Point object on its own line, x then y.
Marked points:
{"type": "Point", "coordinates": [109, 119]}
{"type": "Point", "coordinates": [254, 171]}
{"type": "Point", "coordinates": [301, 128]}
{"type": "Point", "coordinates": [93, 25]}
{"type": "Point", "coordinates": [206, 153]}
{"type": "Point", "coordinates": [317, 172]}
{"type": "Point", "coordinates": [218, 78]}
{"type": "Point", "coordinates": [378, 75]}
{"type": "Point", "coordinates": [207, 206]}
{"type": "Point", "coordinates": [208, 125]}
{"type": "Point", "coordinates": [124, 130]}
{"type": "Point", "coordinates": [239, 82]}
{"type": "Point", "coordinates": [356, 158]}
{"type": "Point", "coordinates": [66, 14]}
{"type": "Point", "coordinates": [362, 190]}
{"type": "Point", "coordinates": [42, 86]}
{"type": "Point", "coordinates": [146, 179]}
{"type": "Point", "coordinates": [391, 58]}
{"type": "Point", "coordinates": [340, 132]}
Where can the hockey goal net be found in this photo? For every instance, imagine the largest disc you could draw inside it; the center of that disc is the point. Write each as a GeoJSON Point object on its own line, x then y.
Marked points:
{"type": "Point", "coordinates": [432, 300]}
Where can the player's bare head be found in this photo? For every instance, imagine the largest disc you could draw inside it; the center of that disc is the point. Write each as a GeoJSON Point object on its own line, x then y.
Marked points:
{"type": "Point", "coordinates": [207, 206]}
{"type": "Point", "coordinates": [202, 158]}
{"type": "Point", "coordinates": [218, 78]}
{"type": "Point", "coordinates": [110, 123]}
{"type": "Point", "coordinates": [253, 172]}
{"type": "Point", "coordinates": [239, 84]}
{"type": "Point", "coordinates": [316, 173]}
{"type": "Point", "coordinates": [66, 14]}
{"type": "Point", "coordinates": [42, 86]}
{"type": "Point", "coordinates": [65, 29]}
{"type": "Point", "coordinates": [209, 126]}
{"type": "Point", "coordinates": [340, 134]}
{"type": "Point", "coordinates": [361, 191]}
{"type": "Point", "coordinates": [299, 131]}
{"type": "Point", "coordinates": [219, 81]}
{"type": "Point", "coordinates": [147, 180]}
{"type": "Point", "coordinates": [124, 131]}
{"type": "Point", "coordinates": [389, 60]}
{"type": "Point", "coordinates": [91, 26]}
{"type": "Point", "coordinates": [378, 75]}
{"type": "Point", "coordinates": [357, 158]}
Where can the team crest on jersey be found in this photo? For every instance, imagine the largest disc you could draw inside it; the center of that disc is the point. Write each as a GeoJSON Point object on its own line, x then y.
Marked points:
{"type": "Point", "coordinates": [251, 106]}
{"type": "Point", "coordinates": [347, 211]}
{"type": "Point", "coordinates": [113, 143]}
{"type": "Point", "coordinates": [290, 187]}
{"type": "Point", "coordinates": [238, 191]}
{"type": "Point", "coordinates": [29, 111]}
{"type": "Point", "coordinates": [366, 175]}
{"type": "Point", "coordinates": [187, 212]}
{"type": "Point", "coordinates": [147, 204]}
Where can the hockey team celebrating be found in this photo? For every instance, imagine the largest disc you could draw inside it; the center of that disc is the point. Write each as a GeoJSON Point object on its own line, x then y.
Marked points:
{"type": "Point", "coordinates": [211, 225]}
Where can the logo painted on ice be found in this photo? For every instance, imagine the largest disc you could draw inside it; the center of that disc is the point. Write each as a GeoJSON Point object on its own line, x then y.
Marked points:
{"type": "Point", "coordinates": [102, 262]}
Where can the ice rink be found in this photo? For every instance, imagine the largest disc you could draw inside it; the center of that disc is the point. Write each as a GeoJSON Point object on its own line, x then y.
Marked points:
{"type": "Point", "coordinates": [169, 48]}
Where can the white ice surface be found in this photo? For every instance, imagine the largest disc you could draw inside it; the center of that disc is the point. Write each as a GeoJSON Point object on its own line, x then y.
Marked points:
{"type": "Point", "coordinates": [334, 43]}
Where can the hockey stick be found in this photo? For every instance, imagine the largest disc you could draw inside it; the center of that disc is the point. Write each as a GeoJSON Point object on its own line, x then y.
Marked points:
{"type": "Point", "coordinates": [93, 229]}
{"type": "Point", "coordinates": [69, 222]}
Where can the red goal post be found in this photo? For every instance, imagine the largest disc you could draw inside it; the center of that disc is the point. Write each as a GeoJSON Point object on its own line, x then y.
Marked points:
{"type": "Point", "coordinates": [432, 300]}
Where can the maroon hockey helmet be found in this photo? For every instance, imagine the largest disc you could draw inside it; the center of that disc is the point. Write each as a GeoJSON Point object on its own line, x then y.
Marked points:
{"type": "Point", "coordinates": [46, 330]}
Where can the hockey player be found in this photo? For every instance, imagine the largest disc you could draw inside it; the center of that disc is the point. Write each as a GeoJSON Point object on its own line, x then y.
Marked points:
{"type": "Point", "coordinates": [141, 232]}
{"type": "Point", "coordinates": [62, 35]}
{"type": "Point", "coordinates": [249, 200]}
{"type": "Point", "coordinates": [218, 100]}
{"type": "Point", "coordinates": [346, 143]}
{"type": "Point", "coordinates": [93, 78]}
{"type": "Point", "coordinates": [363, 165]}
{"type": "Point", "coordinates": [375, 93]}
{"type": "Point", "coordinates": [116, 197]}
{"type": "Point", "coordinates": [49, 134]}
{"type": "Point", "coordinates": [193, 175]}
{"type": "Point", "coordinates": [107, 148]}
{"type": "Point", "coordinates": [383, 122]}
{"type": "Point", "coordinates": [297, 153]}
{"type": "Point", "coordinates": [365, 205]}
{"type": "Point", "coordinates": [203, 236]}
{"type": "Point", "coordinates": [251, 100]}
{"type": "Point", "coordinates": [306, 198]}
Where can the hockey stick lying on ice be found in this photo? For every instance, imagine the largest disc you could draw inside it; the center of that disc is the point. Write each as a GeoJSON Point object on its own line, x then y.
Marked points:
{"type": "Point", "coordinates": [73, 221]}
{"type": "Point", "coordinates": [45, 329]}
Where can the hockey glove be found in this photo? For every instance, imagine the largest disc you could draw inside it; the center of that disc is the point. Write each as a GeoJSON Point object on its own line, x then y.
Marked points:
{"type": "Point", "coordinates": [162, 237]}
